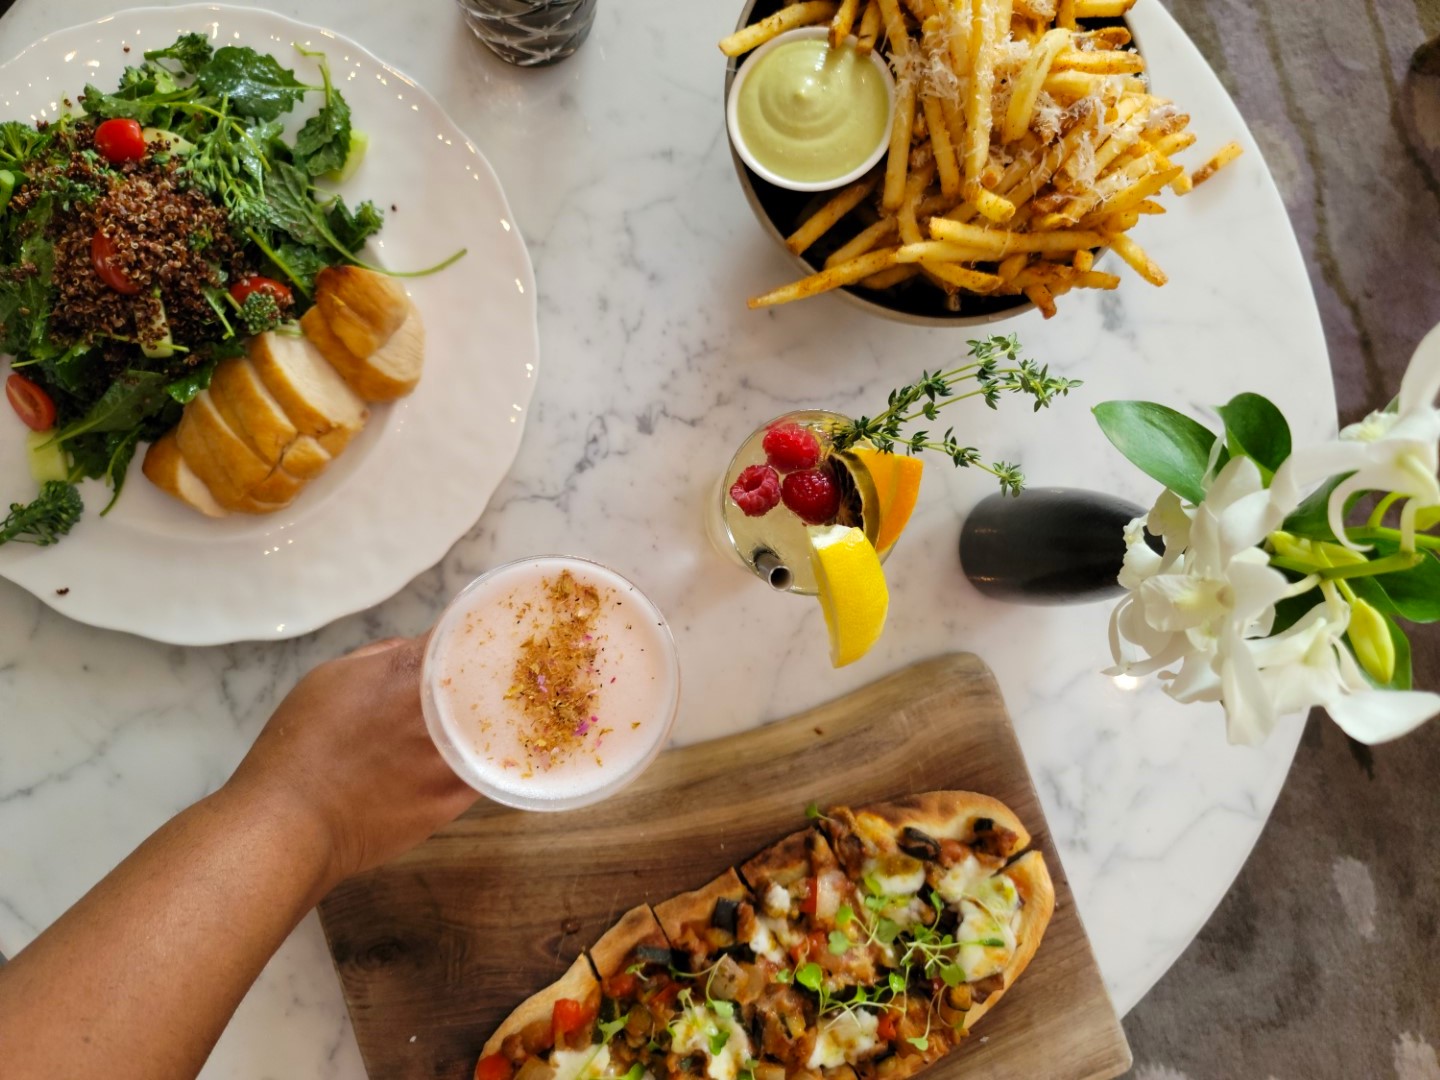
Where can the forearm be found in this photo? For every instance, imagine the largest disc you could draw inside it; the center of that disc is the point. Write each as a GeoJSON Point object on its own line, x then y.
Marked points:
{"type": "Point", "coordinates": [140, 977]}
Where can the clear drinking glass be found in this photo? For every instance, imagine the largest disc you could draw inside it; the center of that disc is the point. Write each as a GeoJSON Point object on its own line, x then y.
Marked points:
{"type": "Point", "coordinates": [550, 683]}
{"type": "Point", "coordinates": [776, 545]}
{"type": "Point", "coordinates": [530, 33]}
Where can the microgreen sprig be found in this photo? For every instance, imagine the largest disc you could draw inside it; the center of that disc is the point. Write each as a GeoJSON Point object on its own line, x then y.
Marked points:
{"type": "Point", "coordinates": [995, 368]}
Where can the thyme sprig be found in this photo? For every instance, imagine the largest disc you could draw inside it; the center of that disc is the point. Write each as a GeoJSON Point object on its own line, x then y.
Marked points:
{"type": "Point", "coordinates": [995, 368]}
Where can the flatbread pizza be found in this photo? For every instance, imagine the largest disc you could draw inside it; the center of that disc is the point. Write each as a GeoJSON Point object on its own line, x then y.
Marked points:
{"type": "Point", "coordinates": [864, 947]}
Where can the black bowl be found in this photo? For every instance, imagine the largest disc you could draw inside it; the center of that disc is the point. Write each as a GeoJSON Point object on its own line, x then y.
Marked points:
{"type": "Point", "coordinates": [781, 211]}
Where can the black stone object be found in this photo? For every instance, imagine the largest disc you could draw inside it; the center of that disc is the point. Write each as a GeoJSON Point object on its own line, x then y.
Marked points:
{"type": "Point", "coordinates": [1048, 545]}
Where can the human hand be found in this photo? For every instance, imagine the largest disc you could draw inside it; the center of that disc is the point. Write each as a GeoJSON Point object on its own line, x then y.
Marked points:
{"type": "Point", "coordinates": [348, 749]}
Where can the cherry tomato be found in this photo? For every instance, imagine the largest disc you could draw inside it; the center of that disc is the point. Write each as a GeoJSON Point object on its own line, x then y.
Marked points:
{"type": "Point", "coordinates": [494, 1067]}
{"type": "Point", "coordinates": [569, 1016]}
{"type": "Point", "coordinates": [257, 283]}
{"type": "Point", "coordinates": [120, 140]}
{"type": "Point", "coordinates": [888, 1027]}
{"type": "Point", "coordinates": [102, 257]}
{"type": "Point", "coordinates": [31, 403]}
{"type": "Point", "coordinates": [812, 892]}
{"type": "Point", "coordinates": [622, 985]}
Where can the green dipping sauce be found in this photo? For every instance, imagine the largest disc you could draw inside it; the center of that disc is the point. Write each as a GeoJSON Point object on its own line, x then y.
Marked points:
{"type": "Point", "coordinates": [810, 113]}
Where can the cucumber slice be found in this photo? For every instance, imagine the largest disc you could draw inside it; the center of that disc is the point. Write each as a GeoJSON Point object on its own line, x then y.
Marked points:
{"type": "Point", "coordinates": [164, 348]}
{"type": "Point", "coordinates": [46, 457]}
{"type": "Point", "coordinates": [178, 145]}
{"type": "Point", "coordinates": [359, 143]}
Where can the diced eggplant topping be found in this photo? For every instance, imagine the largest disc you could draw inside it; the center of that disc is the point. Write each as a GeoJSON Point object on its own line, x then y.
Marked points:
{"type": "Point", "coordinates": [919, 845]}
{"type": "Point", "coordinates": [725, 915]}
{"type": "Point", "coordinates": [983, 824]}
{"type": "Point", "coordinates": [654, 954]}
{"type": "Point", "coordinates": [535, 1069]}
{"type": "Point", "coordinates": [725, 980]}
{"type": "Point", "coordinates": [981, 989]}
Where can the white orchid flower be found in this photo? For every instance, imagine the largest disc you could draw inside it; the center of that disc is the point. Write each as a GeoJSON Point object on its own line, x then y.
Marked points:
{"type": "Point", "coordinates": [1213, 589]}
{"type": "Point", "coordinates": [1308, 664]}
{"type": "Point", "coordinates": [1388, 451]}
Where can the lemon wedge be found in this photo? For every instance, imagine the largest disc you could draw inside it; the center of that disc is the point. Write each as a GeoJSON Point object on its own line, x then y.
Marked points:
{"type": "Point", "coordinates": [853, 595]}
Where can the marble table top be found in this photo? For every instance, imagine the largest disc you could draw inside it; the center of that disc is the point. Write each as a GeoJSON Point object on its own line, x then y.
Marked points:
{"type": "Point", "coordinates": [617, 169]}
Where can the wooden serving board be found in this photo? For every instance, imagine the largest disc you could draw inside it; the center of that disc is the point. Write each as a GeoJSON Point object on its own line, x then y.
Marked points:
{"type": "Point", "coordinates": [436, 948]}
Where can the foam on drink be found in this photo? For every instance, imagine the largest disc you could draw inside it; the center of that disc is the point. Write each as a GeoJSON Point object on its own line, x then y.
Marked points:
{"type": "Point", "coordinates": [550, 682]}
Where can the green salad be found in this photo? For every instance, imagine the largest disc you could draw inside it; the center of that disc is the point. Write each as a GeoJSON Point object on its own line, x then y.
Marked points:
{"type": "Point", "coordinates": [145, 235]}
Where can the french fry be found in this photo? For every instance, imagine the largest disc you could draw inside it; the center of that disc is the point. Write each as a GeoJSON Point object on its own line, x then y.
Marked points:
{"type": "Point", "coordinates": [1083, 260]}
{"type": "Point", "coordinates": [1170, 145]}
{"type": "Point", "coordinates": [1112, 62]}
{"type": "Point", "coordinates": [846, 273]}
{"type": "Point", "coordinates": [1102, 9]}
{"type": "Point", "coordinates": [1127, 199]}
{"type": "Point", "coordinates": [1065, 15]}
{"type": "Point", "coordinates": [805, 13]}
{"type": "Point", "coordinates": [869, 28]}
{"type": "Point", "coordinates": [980, 87]}
{"type": "Point", "coordinates": [865, 240]}
{"type": "Point", "coordinates": [888, 279]}
{"type": "Point", "coordinates": [824, 219]}
{"type": "Point", "coordinates": [943, 251]}
{"type": "Point", "coordinates": [1001, 243]}
{"type": "Point", "coordinates": [1026, 89]}
{"type": "Point", "coordinates": [1013, 264]}
{"type": "Point", "coordinates": [1150, 206]}
{"type": "Point", "coordinates": [898, 159]}
{"type": "Point", "coordinates": [936, 119]}
{"type": "Point", "coordinates": [843, 20]}
{"type": "Point", "coordinates": [1043, 299]}
{"type": "Point", "coordinates": [962, 278]}
{"type": "Point", "coordinates": [1052, 275]}
{"type": "Point", "coordinates": [1036, 10]}
{"type": "Point", "coordinates": [1226, 154]}
{"type": "Point", "coordinates": [1135, 255]}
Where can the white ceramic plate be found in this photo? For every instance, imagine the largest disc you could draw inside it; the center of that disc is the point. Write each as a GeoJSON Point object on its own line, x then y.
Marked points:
{"type": "Point", "coordinates": [422, 471]}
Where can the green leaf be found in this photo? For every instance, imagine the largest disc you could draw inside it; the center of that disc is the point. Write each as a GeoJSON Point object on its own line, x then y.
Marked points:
{"type": "Point", "coordinates": [1165, 445]}
{"type": "Point", "coordinates": [920, 1042]}
{"type": "Point", "coordinates": [718, 1040]}
{"type": "Point", "coordinates": [839, 943]}
{"type": "Point", "coordinates": [323, 144]}
{"type": "Point", "coordinates": [1311, 518]}
{"type": "Point", "coordinates": [131, 398]}
{"type": "Point", "coordinates": [992, 942]}
{"type": "Point", "coordinates": [843, 914]}
{"type": "Point", "coordinates": [191, 51]}
{"type": "Point", "coordinates": [122, 451]}
{"type": "Point", "coordinates": [785, 976]}
{"type": "Point", "coordinates": [724, 1009]}
{"type": "Point", "coordinates": [952, 974]}
{"type": "Point", "coordinates": [1256, 428]}
{"type": "Point", "coordinates": [1413, 595]}
{"type": "Point", "coordinates": [812, 811]}
{"type": "Point", "coordinates": [886, 931]}
{"type": "Point", "coordinates": [610, 1029]}
{"type": "Point", "coordinates": [188, 386]}
{"type": "Point", "coordinates": [353, 228]}
{"type": "Point", "coordinates": [896, 982]}
{"type": "Point", "coordinates": [254, 83]}
{"type": "Point", "coordinates": [299, 263]}
{"type": "Point", "coordinates": [810, 976]}
{"type": "Point", "coordinates": [1403, 678]}
{"type": "Point", "coordinates": [636, 1072]}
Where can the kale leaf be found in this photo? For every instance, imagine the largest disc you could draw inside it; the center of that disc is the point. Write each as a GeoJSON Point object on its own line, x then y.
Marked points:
{"type": "Point", "coordinates": [254, 83]}
{"type": "Point", "coordinates": [353, 229]}
{"type": "Point", "coordinates": [42, 522]}
{"type": "Point", "coordinates": [131, 398]}
{"type": "Point", "coordinates": [323, 144]}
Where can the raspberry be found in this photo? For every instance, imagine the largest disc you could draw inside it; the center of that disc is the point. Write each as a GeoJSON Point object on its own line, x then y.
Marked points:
{"type": "Point", "coordinates": [756, 490]}
{"type": "Point", "coordinates": [812, 496]}
{"type": "Point", "coordinates": [790, 448]}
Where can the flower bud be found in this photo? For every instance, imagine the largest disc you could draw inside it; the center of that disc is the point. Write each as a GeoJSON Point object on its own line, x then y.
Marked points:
{"type": "Point", "coordinates": [1369, 635]}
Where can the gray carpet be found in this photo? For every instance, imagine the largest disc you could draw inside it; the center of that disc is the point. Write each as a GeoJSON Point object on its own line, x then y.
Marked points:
{"type": "Point", "coordinates": [1324, 959]}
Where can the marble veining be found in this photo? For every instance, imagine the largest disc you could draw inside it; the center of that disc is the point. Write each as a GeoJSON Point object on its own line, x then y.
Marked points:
{"type": "Point", "coordinates": [644, 250]}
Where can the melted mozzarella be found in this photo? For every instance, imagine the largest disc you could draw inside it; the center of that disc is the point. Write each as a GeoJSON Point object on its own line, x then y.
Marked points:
{"type": "Point", "coordinates": [960, 879]}
{"type": "Point", "coordinates": [842, 1039]}
{"type": "Point", "coordinates": [896, 875]}
{"type": "Point", "coordinates": [988, 912]}
{"type": "Point", "coordinates": [585, 1064]}
{"type": "Point", "coordinates": [693, 1031]}
{"type": "Point", "coordinates": [762, 943]}
{"type": "Point", "coordinates": [777, 900]}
